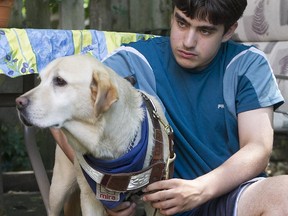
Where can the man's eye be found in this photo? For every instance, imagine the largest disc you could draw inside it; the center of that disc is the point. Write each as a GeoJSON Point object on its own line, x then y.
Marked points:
{"type": "Point", "coordinates": [181, 24]}
{"type": "Point", "coordinates": [59, 81]}
{"type": "Point", "coordinates": [205, 32]}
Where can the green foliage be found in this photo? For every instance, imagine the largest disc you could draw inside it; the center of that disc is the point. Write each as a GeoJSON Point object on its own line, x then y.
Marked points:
{"type": "Point", "coordinates": [12, 149]}
{"type": "Point", "coordinates": [54, 5]}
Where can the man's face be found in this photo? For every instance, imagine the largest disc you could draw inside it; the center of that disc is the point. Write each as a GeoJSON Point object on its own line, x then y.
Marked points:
{"type": "Point", "coordinates": [195, 42]}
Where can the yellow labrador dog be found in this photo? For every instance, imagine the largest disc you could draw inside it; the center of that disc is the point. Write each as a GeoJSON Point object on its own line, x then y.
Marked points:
{"type": "Point", "coordinates": [121, 139]}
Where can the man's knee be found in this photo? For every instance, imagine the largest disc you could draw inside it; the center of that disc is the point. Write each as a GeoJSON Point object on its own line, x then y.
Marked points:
{"type": "Point", "coordinates": [265, 197]}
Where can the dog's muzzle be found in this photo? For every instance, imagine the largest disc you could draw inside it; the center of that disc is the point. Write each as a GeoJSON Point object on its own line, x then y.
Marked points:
{"type": "Point", "coordinates": [21, 105]}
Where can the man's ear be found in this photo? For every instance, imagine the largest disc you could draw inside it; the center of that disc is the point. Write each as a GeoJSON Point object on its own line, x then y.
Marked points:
{"type": "Point", "coordinates": [230, 32]}
{"type": "Point", "coordinates": [104, 93]}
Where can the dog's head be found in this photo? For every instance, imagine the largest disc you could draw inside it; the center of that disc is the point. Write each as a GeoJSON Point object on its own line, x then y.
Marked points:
{"type": "Point", "coordinates": [72, 88]}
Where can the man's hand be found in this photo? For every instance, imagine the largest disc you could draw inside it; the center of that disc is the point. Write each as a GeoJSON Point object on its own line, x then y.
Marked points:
{"type": "Point", "coordinates": [175, 195]}
{"type": "Point", "coordinates": [124, 209]}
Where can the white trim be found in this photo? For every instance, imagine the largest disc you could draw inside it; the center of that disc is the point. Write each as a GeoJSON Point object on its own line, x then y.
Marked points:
{"type": "Point", "coordinates": [254, 50]}
{"type": "Point", "coordinates": [136, 181]}
{"type": "Point", "coordinates": [94, 174]}
{"type": "Point", "coordinates": [128, 49]}
{"type": "Point", "coordinates": [247, 184]}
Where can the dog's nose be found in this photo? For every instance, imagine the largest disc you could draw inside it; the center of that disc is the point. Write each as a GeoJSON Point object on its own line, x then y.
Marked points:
{"type": "Point", "coordinates": [21, 102]}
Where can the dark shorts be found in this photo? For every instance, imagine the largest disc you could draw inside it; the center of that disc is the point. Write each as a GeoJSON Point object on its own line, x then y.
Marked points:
{"type": "Point", "coordinates": [225, 205]}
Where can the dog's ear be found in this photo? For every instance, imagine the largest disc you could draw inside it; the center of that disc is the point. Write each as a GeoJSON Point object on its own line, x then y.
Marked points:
{"type": "Point", "coordinates": [104, 93]}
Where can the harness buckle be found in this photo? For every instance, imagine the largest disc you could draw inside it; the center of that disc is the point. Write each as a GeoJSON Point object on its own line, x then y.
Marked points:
{"type": "Point", "coordinates": [168, 163]}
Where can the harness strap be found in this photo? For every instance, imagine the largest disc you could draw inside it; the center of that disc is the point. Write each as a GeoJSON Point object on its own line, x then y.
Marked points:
{"type": "Point", "coordinates": [133, 181]}
{"type": "Point", "coordinates": [158, 137]}
{"type": "Point", "coordinates": [123, 182]}
{"type": "Point", "coordinates": [169, 170]}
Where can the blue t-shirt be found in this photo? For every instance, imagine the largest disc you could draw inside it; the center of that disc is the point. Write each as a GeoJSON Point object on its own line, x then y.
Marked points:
{"type": "Point", "coordinates": [201, 106]}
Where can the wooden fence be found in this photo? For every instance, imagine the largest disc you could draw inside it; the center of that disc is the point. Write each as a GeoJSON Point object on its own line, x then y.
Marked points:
{"type": "Point", "coordinates": [113, 15]}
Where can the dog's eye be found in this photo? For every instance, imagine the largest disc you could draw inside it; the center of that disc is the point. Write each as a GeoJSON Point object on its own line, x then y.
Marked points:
{"type": "Point", "coordinates": [58, 81]}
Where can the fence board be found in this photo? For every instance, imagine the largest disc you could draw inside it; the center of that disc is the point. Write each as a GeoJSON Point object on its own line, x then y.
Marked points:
{"type": "Point", "coordinates": [109, 15]}
{"type": "Point", "coordinates": [150, 15]}
{"type": "Point", "coordinates": [130, 15]}
{"type": "Point", "coordinates": [37, 14]}
{"type": "Point", "coordinates": [71, 14]}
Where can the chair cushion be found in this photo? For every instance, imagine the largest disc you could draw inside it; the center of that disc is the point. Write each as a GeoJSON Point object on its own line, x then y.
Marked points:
{"type": "Point", "coordinates": [264, 20]}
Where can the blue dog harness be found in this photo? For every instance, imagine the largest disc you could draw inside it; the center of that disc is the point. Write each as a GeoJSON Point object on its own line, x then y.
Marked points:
{"type": "Point", "coordinates": [132, 161]}
{"type": "Point", "coordinates": [113, 181]}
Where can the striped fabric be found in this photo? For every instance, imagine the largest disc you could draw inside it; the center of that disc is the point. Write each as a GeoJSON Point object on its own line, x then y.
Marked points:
{"type": "Point", "coordinates": [28, 51]}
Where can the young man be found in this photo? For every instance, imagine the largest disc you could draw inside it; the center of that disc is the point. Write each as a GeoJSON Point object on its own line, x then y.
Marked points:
{"type": "Point", "coordinates": [219, 98]}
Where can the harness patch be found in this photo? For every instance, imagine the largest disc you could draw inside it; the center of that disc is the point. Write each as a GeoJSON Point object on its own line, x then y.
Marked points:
{"type": "Point", "coordinates": [103, 194]}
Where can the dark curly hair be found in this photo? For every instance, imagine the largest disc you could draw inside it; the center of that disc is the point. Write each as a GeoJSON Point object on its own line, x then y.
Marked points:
{"type": "Point", "coordinates": [217, 12]}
